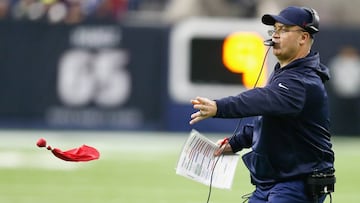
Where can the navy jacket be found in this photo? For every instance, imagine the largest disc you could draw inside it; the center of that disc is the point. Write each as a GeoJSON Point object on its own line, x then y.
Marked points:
{"type": "Point", "coordinates": [290, 135]}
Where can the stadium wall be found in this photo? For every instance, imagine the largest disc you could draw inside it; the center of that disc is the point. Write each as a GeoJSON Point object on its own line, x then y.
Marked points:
{"type": "Point", "coordinates": [110, 76]}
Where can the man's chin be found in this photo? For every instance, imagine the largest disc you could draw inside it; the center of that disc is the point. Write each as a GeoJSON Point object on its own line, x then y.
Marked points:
{"type": "Point", "coordinates": [276, 51]}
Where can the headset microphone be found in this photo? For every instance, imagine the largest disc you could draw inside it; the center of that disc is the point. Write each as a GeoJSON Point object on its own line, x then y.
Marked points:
{"type": "Point", "coordinates": [269, 43]}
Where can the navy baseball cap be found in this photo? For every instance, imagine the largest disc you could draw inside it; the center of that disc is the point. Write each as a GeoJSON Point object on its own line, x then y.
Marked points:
{"type": "Point", "coordinates": [292, 15]}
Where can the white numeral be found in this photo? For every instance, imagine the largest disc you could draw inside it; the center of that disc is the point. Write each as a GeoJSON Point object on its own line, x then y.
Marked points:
{"type": "Point", "coordinates": [100, 77]}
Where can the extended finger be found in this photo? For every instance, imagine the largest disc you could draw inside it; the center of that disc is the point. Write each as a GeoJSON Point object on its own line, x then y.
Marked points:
{"type": "Point", "coordinates": [202, 100]}
{"type": "Point", "coordinates": [195, 120]}
{"type": "Point", "coordinates": [195, 101]}
{"type": "Point", "coordinates": [194, 115]}
{"type": "Point", "coordinates": [201, 113]}
{"type": "Point", "coordinates": [199, 106]}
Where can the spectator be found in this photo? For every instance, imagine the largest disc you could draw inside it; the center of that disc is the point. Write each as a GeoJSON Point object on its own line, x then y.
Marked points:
{"type": "Point", "coordinates": [74, 14]}
{"type": "Point", "coordinates": [345, 68]}
{"type": "Point", "coordinates": [345, 83]}
{"type": "Point", "coordinates": [4, 8]}
{"type": "Point", "coordinates": [177, 10]}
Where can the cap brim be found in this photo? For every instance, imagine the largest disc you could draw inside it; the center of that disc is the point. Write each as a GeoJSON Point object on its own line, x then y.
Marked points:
{"type": "Point", "coordinates": [272, 19]}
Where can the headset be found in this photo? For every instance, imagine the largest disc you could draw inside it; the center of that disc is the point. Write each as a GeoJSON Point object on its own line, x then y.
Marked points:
{"type": "Point", "coordinates": [312, 27]}
{"type": "Point", "coordinates": [269, 43]}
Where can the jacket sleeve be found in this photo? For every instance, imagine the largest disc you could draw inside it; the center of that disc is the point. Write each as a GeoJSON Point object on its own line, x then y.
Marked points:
{"type": "Point", "coordinates": [281, 97]}
{"type": "Point", "coordinates": [242, 139]}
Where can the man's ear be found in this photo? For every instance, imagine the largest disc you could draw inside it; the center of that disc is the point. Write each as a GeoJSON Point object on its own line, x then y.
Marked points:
{"type": "Point", "coordinates": [305, 37]}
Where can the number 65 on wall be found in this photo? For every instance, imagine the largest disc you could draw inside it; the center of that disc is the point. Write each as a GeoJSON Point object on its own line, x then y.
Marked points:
{"type": "Point", "coordinates": [99, 77]}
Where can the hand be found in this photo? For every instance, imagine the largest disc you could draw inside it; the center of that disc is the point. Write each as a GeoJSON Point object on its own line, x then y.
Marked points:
{"type": "Point", "coordinates": [224, 147]}
{"type": "Point", "coordinates": [207, 108]}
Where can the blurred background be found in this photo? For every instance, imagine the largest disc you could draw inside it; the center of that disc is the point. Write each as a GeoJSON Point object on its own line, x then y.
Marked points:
{"type": "Point", "coordinates": [134, 64]}
{"type": "Point", "coordinates": [119, 74]}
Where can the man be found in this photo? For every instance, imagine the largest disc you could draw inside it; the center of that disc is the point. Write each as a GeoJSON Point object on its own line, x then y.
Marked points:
{"type": "Point", "coordinates": [290, 137]}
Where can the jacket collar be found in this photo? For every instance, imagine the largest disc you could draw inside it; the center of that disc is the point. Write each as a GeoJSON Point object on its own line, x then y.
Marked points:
{"type": "Point", "coordinates": [312, 60]}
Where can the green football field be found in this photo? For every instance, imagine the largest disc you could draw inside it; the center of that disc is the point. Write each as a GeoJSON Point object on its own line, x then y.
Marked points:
{"type": "Point", "coordinates": [133, 168]}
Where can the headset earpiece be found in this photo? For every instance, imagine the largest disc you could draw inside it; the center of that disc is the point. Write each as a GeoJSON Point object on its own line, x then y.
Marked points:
{"type": "Point", "coordinates": [312, 27]}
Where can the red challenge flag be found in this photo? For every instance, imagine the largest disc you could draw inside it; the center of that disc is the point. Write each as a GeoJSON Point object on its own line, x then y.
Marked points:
{"type": "Point", "coordinates": [82, 153]}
